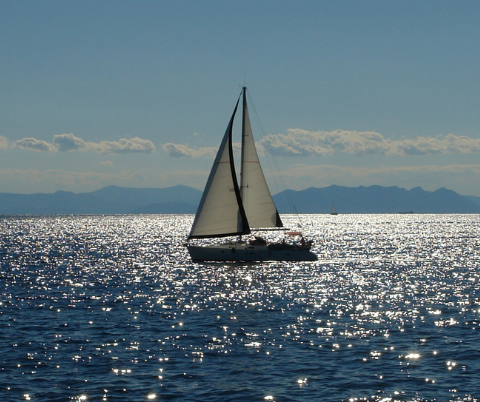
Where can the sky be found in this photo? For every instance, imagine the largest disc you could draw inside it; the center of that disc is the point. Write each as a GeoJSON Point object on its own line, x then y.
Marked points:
{"type": "Point", "coordinates": [139, 93]}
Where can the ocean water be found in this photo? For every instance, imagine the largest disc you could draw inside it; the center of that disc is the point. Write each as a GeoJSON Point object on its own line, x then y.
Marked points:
{"type": "Point", "coordinates": [110, 308]}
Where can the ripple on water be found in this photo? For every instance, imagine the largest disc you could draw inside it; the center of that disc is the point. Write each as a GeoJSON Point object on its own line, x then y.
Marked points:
{"type": "Point", "coordinates": [111, 308]}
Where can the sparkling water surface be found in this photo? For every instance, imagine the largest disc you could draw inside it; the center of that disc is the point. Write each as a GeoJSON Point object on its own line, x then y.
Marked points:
{"type": "Point", "coordinates": [110, 308]}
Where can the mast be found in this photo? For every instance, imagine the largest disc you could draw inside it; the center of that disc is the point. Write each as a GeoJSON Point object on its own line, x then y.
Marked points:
{"type": "Point", "coordinates": [242, 165]}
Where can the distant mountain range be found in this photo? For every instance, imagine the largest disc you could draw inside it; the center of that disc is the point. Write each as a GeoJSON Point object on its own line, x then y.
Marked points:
{"type": "Point", "coordinates": [184, 200]}
{"type": "Point", "coordinates": [108, 200]}
{"type": "Point", "coordinates": [377, 200]}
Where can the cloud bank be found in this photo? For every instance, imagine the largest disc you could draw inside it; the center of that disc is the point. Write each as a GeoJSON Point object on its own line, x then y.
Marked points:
{"type": "Point", "coordinates": [298, 142]}
{"type": "Point", "coordinates": [69, 142]}
{"type": "Point", "coordinates": [318, 143]}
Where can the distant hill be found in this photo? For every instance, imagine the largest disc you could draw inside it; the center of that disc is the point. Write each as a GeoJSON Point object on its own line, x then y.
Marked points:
{"type": "Point", "coordinates": [374, 199]}
{"type": "Point", "coordinates": [183, 199]}
{"type": "Point", "coordinates": [108, 200]}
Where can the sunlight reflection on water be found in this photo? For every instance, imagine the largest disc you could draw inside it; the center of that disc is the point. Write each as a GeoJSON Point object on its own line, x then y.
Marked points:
{"type": "Point", "coordinates": [111, 308]}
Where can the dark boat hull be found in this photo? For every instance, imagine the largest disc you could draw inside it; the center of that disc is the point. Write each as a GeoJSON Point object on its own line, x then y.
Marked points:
{"type": "Point", "coordinates": [231, 252]}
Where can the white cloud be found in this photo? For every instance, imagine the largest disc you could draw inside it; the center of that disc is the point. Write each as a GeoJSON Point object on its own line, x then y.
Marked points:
{"type": "Point", "coordinates": [180, 150]}
{"type": "Point", "coordinates": [125, 145]}
{"type": "Point", "coordinates": [318, 143]}
{"type": "Point", "coordinates": [294, 145]}
{"type": "Point", "coordinates": [69, 142]}
{"type": "Point", "coordinates": [34, 144]}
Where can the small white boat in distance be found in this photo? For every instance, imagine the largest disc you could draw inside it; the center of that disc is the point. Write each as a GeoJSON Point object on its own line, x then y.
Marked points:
{"type": "Point", "coordinates": [228, 209]}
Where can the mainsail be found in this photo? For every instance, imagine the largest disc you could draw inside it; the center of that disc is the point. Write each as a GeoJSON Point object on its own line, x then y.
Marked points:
{"type": "Point", "coordinates": [220, 212]}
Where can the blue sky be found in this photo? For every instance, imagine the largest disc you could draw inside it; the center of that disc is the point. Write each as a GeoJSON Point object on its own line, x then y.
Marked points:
{"type": "Point", "coordinates": [139, 93]}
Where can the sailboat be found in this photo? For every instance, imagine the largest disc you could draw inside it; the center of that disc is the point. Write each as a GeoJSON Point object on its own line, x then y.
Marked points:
{"type": "Point", "coordinates": [333, 211]}
{"type": "Point", "coordinates": [230, 209]}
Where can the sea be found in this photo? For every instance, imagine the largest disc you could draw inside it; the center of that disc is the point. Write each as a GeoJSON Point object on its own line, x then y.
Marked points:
{"type": "Point", "coordinates": [111, 308]}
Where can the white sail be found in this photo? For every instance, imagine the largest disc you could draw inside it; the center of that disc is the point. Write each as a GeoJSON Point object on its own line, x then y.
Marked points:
{"type": "Point", "coordinates": [257, 200]}
{"type": "Point", "coordinates": [220, 212]}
